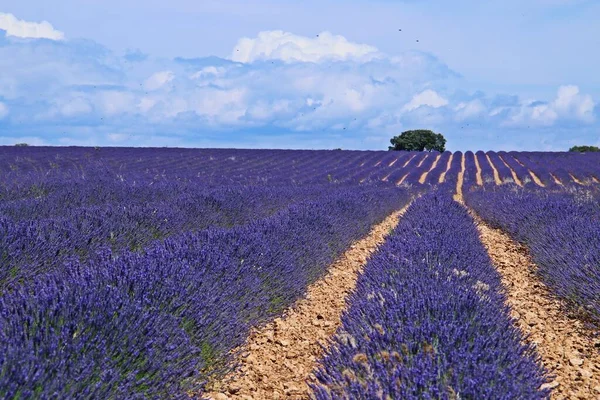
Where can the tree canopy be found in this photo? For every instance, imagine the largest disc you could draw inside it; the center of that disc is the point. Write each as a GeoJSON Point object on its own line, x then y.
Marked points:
{"type": "Point", "coordinates": [584, 149]}
{"type": "Point", "coordinates": [418, 140]}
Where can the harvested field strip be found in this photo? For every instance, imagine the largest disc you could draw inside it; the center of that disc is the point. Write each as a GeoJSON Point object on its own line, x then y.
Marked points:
{"type": "Point", "coordinates": [478, 174]}
{"type": "Point", "coordinates": [424, 176]}
{"type": "Point", "coordinates": [496, 175]}
{"type": "Point", "coordinates": [443, 174]}
{"type": "Point", "coordinates": [512, 171]}
{"type": "Point", "coordinates": [278, 358]}
{"type": "Point", "coordinates": [566, 348]}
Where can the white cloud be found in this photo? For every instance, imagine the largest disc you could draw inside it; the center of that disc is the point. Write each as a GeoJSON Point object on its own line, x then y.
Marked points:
{"type": "Point", "coordinates": [25, 29]}
{"type": "Point", "coordinates": [568, 105]}
{"type": "Point", "coordinates": [3, 110]}
{"type": "Point", "coordinates": [471, 109]}
{"type": "Point", "coordinates": [158, 80]}
{"type": "Point", "coordinates": [287, 47]}
{"type": "Point", "coordinates": [426, 98]}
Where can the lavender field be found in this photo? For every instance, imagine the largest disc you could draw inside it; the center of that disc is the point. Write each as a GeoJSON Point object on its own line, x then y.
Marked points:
{"type": "Point", "coordinates": [133, 273]}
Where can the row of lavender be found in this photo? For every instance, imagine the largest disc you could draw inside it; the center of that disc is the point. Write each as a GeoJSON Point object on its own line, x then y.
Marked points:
{"type": "Point", "coordinates": [428, 319]}
{"type": "Point", "coordinates": [35, 171]}
{"type": "Point", "coordinates": [76, 219]}
{"type": "Point", "coordinates": [561, 229]}
{"type": "Point", "coordinates": [103, 321]}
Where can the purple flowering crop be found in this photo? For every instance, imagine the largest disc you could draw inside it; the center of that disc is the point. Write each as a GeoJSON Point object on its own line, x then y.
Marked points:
{"type": "Point", "coordinates": [428, 319]}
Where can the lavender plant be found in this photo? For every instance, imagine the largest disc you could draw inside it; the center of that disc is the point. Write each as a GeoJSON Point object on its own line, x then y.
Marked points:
{"type": "Point", "coordinates": [428, 319]}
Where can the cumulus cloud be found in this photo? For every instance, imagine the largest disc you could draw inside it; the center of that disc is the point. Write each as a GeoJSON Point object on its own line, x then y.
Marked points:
{"type": "Point", "coordinates": [425, 98]}
{"type": "Point", "coordinates": [25, 29]}
{"type": "Point", "coordinates": [287, 47]}
{"type": "Point", "coordinates": [345, 93]}
{"type": "Point", "coordinates": [569, 105]}
{"type": "Point", "coordinates": [469, 110]}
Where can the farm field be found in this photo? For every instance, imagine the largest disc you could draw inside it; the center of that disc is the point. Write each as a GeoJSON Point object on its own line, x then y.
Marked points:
{"type": "Point", "coordinates": [169, 273]}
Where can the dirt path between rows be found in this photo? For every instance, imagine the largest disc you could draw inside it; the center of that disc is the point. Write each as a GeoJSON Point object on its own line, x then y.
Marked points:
{"type": "Point", "coordinates": [536, 179]}
{"type": "Point", "coordinates": [512, 171]}
{"type": "Point", "coordinates": [443, 174]}
{"type": "Point", "coordinates": [577, 181]}
{"type": "Point", "coordinates": [279, 357]}
{"type": "Point", "coordinates": [459, 181]}
{"type": "Point", "coordinates": [556, 180]}
{"type": "Point", "coordinates": [566, 348]}
{"type": "Point", "coordinates": [478, 169]}
{"type": "Point", "coordinates": [496, 174]}
{"type": "Point", "coordinates": [424, 175]}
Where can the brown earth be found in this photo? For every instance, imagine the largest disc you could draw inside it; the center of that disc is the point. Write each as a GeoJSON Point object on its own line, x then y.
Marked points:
{"type": "Point", "coordinates": [402, 179]}
{"type": "Point", "coordinates": [577, 181]}
{"type": "Point", "coordinates": [512, 172]}
{"type": "Point", "coordinates": [443, 174]}
{"type": "Point", "coordinates": [409, 160]}
{"type": "Point", "coordinates": [567, 349]}
{"type": "Point", "coordinates": [424, 175]}
{"type": "Point", "coordinates": [556, 180]}
{"type": "Point", "coordinates": [496, 174]}
{"type": "Point", "coordinates": [393, 162]}
{"type": "Point", "coordinates": [478, 168]}
{"type": "Point", "coordinates": [278, 358]}
{"type": "Point", "coordinates": [536, 179]}
{"type": "Point", "coordinates": [459, 182]}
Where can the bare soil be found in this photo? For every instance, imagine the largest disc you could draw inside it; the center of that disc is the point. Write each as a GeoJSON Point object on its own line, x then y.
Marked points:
{"type": "Point", "coordinates": [459, 182]}
{"type": "Point", "coordinates": [568, 350]}
{"type": "Point", "coordinates": [536, 179]}
{"type": "Point", "coordinates": [478, 168]}
{"type": "Point", "coordinates": [443, 174]}
{"type": "Point", "coordinates": [278, 358]}
{"type": "Point", "coordinates": [577, 181]}
{"type": "Point", "coordinates": [496, 174]}
{"type": "Point", "coordinates": [512, 172]}
{"type": "Point", "coordinates": [556, 180]}
{"type": "Point", "coordinates": [424, 175]}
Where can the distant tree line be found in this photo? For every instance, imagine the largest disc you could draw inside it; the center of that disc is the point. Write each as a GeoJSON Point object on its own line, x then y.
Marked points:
{"type": "Point", "coordinates": [584, 149]}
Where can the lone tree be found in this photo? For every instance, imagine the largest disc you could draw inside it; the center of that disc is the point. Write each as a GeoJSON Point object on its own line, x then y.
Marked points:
{"type": "Point", "coordinates": [584, 149]}
{"type": "Point", "coordinates": [418, 140]}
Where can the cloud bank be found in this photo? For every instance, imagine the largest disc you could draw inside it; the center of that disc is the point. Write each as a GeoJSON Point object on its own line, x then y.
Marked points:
{"type": "Point", "coordinates": [24, 29]}
{"type": "Point", "coordinates": [276, 89]}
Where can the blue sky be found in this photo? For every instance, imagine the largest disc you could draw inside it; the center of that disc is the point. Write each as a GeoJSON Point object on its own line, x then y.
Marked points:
{"type": "Point", "coordinates": [510, 75]}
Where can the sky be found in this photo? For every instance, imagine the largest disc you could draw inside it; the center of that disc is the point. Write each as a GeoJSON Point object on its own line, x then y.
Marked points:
{"type": "Point", "coordinates": [502, 75]}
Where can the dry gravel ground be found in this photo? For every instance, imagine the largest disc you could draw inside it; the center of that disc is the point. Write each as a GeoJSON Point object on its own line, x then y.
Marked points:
{"type": "Point", "coordinates": [496, 174]}
{"type": "Point", "coordinates": [568, 350]}
{"type": "Point", "coordinates": [278, 358]}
